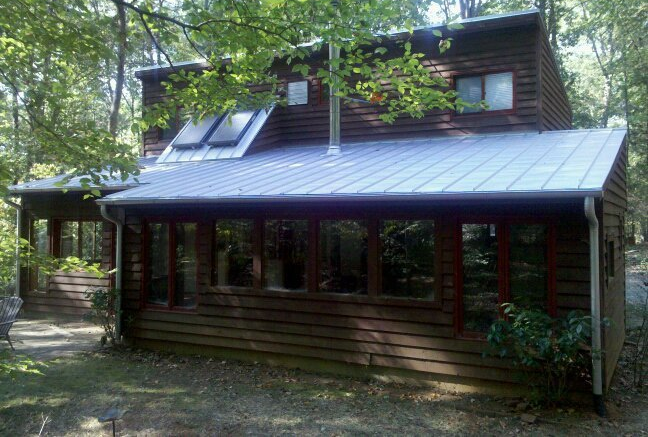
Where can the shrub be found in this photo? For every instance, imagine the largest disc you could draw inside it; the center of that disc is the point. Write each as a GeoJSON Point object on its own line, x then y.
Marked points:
{"type": "Point", "coordinates": [102, 311]}
{"type": "Point", "coordinates": [552, 352]}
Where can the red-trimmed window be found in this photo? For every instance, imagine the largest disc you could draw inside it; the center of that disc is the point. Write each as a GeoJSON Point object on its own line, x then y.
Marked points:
{"type": "Point", "coordinates": [81, 239]}
{"type": "Point", "coordinates": [503, 262]}
{"type": "Point", "coordinates": [171, 267]}
{"type": "Point", "coordinates": [497, 89]}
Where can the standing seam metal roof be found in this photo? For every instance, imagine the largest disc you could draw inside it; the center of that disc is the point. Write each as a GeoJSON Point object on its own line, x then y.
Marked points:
{"type": "Point", "coordinates": [555, 163]}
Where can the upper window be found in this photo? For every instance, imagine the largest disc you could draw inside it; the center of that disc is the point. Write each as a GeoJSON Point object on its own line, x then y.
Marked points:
{"type": "Point", "coordinates": [82, 239]}
{"type": "Point", "coordinates": [175, 123]}
{"type": "Point", "coordinates": [171, 275]}
{"type": "Point", "coordinates": [495, 89]}
{"type": "Point", "coordinates": [407, 258]}
{"type": "Point", "coordinates": [298, 93]}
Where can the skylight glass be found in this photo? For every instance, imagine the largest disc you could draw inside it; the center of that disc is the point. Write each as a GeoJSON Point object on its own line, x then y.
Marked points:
{"type": "Point", "coordinates": [231, 129]}
{"type": "Point", "coordinates": [193, 133]}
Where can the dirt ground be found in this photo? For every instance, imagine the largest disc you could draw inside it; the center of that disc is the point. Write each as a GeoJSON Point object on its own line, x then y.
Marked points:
{"type": "Point", "coordinates": [161, 394]}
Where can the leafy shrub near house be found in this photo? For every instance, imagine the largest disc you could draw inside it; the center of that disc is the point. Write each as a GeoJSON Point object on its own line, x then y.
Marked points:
{"type": "Point", "coordinates": [552, 352]}
{"type": "Point", "coordinates": [102, 311]}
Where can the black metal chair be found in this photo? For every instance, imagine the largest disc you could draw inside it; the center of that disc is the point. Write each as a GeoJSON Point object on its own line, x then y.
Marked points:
{"type": "Point", "coordinates": [9, 308]}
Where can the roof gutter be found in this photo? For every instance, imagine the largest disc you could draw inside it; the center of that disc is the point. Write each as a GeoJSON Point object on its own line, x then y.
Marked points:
{"type": "Point", "coordinates": [595, 290]}
{"type": "Point", "coordinates": [118, 221]}
{"type": "Point", "coordinates": [19, 211]}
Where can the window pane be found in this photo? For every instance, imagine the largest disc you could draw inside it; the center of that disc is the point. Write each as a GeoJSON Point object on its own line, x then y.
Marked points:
{"type": "Point", "coordinates": [158, 264]}
{"type": "Point", "coordinates": [40, 245]}
{"type": "Point", "coordinates": [470, 90]}
{"type": "Point", "coordinates": [91, 236]}
{"type": "Point", "coordinates": [193, 133]}
{"type": "Point", "coordinates": [285, 254]}
{"type": "Point", "coordinates": [185, 273]}
{"type": "Point", "coordinates": [69, 239]}
{"type": "Point", "coordinates": [499, 91]}
{"type": "Point", "coordinates": [528, 266]}
{"type": "Point", "coordinates": [234, 249]}
{"type": "Point", "coordinates": [229, 130]}
{"type": "Point", "coordinates": [298, 93]}
{"type": "Point", "coordinates": [343, 256]}
{"type": "Point", "coordinates": [480, 276]}
{"type": "Point", "coordinates": [408, 258]}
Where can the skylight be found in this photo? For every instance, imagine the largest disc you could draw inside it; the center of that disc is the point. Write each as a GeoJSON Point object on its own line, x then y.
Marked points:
{"type": "Point", "coordinates": [192, 134]}
{"type": "Point", "coordinates": [230, 130]}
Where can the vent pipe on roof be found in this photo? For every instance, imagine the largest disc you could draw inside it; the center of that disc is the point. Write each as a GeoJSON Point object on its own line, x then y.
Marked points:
{"type": "Point", "coordinates": [334, 100]}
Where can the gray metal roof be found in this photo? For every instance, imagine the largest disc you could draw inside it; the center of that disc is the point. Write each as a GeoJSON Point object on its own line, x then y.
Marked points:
{"type": "Point", "coordinates": [550, 164]}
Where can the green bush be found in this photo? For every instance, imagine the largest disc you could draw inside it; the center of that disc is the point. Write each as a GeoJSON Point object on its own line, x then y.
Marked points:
{"type": "Point", "coordinates": [552, 352]}
{"type": "Point", "coordinates": [102, 311]}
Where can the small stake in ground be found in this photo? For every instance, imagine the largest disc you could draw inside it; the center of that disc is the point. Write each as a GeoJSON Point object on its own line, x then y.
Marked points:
{"type": "Point", "coordinates": [111, 416]}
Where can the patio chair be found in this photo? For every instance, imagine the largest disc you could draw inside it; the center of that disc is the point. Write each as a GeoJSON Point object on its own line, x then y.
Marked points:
{"type": "Point", "coordinates": [9, 308]}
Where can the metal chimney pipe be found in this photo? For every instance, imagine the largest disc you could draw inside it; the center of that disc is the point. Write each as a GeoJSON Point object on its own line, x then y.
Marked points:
{"type": "Point", "coordinates": [334, 100]}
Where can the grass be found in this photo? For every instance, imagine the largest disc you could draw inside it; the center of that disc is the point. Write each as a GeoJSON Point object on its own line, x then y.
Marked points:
{"type": "Point", "coordinates": [173, 395]}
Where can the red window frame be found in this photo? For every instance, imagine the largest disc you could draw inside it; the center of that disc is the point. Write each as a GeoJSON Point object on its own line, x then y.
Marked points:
{"type": "Point", "coordinates": [503, 257]}
{"type": "Point", "coordinates": [482, 74]}
{"type": "Point", "coordinates": [171, 262]}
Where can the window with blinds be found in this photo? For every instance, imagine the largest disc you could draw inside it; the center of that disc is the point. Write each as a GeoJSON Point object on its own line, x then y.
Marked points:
{"type": "Point", "coordinates": [297, 93]}
{"type": "Point", "coordinates": [494, 89]}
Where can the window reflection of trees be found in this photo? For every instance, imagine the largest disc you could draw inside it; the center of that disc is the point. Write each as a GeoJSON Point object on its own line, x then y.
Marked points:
{"type": "Point", "coordinates": [343, 256]}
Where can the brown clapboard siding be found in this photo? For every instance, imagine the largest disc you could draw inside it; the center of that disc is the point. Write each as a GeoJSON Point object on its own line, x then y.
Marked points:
{"type": "Point", "coordinates": [613, 286]}
{"type": "Point", "coordinates": [403, 334]}
{"type": "Point", "coordinates": [556, 111]}
{"type": "Point", "coordinates": [511, 49]}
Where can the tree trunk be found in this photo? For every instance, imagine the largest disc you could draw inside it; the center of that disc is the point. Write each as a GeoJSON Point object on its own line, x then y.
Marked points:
{"type": "Point", "coordinates": [121, 66]}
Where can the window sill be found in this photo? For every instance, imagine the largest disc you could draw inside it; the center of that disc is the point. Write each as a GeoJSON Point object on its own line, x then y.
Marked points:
{"type": "Point", "coordinates": [162, 309]}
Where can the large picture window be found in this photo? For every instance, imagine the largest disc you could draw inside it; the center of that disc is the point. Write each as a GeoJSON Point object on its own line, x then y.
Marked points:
{"type": "Point", "coordinates": [39, 241]}
{"type": "Point", "coordinates": [343, 256]}
{"type": "Point", "coordinates": [503, 262]}
{"type": "Point", "coordinates": [407, 258]}
{"type": "Point", "coordinates": [81, 239]}
{"type": "Point", "coordinates": [171, 275]}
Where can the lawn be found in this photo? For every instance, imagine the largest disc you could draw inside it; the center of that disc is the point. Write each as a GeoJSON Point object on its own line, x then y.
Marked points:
{"type": "Point", "coordinates": [173, 395]}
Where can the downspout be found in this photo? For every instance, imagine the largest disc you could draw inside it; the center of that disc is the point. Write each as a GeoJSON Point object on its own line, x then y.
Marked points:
{"type": "Point", "coordinates": [595, 290]}
{"type": "Point", "coordinates": [119, 223]}
{"type": "Point", "coordinates": [19, 210]}
{"type": "Point", "coordinates": [334, 100]}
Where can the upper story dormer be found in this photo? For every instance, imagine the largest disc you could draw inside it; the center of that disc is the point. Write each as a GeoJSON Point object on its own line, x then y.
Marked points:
{"type": "Point", "coordinates": [504, 59]}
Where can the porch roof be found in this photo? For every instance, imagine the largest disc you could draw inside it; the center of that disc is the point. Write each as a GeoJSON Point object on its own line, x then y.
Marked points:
{"type": "Point", "coordinates": [551, 164]}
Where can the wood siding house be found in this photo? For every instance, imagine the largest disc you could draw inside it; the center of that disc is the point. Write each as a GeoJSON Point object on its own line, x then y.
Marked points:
{"type": "Point", "coordinates": [264, 247]}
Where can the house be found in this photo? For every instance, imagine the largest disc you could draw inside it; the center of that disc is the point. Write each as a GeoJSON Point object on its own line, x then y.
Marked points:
{"type": "Point", "coordinates": [249, 240]}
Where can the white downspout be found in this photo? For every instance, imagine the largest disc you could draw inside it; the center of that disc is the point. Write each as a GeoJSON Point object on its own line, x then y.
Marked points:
{"type": "Point", "coordinates": [595, 290]}
{"type": "Point", "coordinates": [119, 223]}
{"type": "Point", "coordinates": [19, 210]}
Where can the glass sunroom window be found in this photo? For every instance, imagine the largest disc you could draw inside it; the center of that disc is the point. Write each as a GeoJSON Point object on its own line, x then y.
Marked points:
{"type": "Point", "coordinates": [407, 258]}
{"type": "Point", "coordinates": [82, 240]}
{"type": "Point", "coordinates": [285, 255]}
{"type": "Point", "coordinates": [343, 256]}
{"type": "Point", "coordinates": [185, 278]}
{"type": "Point", "coordinates": [231, 129]}
{"type": "Point", "coordinates": [480, 276]}
{"type": "Point", "coordinates": [39, 241]}
{"type": "Point", "coordinates": [528, 265]}
{"type": "Point", "coordinates": [158, 264]}
{"type": "Point", "coordinates": [234, 250]}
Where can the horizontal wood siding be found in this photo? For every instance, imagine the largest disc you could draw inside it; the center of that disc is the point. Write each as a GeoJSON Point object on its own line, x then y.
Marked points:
{"type": "Point", "coordinates": [511, 49]}
{"type": "Point", "coordinates": [412, 335]}
{"type": "Point", "coordinates": [613, 299]}
{"type": "Point", "coordinates": [556, 112]}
